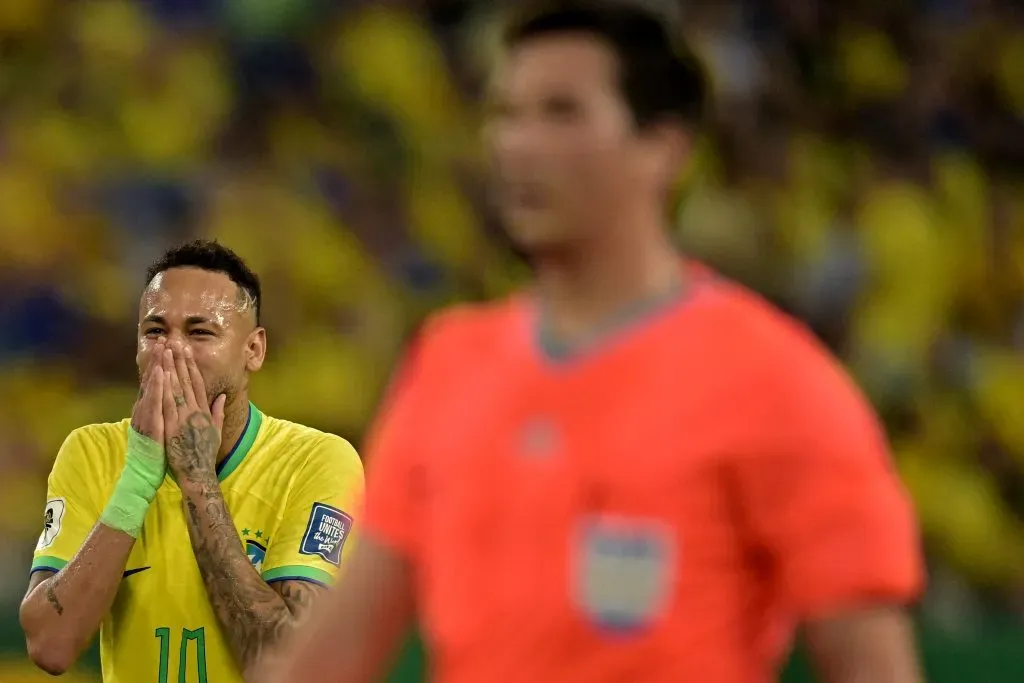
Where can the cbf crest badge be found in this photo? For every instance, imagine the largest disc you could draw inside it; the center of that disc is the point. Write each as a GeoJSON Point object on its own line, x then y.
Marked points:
{"type": "Point", "coordinates": [624, 570]}
{"type": "Point", "coordinates": [257, 554]}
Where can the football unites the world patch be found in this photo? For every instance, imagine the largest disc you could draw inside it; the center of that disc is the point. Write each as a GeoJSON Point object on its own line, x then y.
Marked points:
{"type": "Point", "coordinates": [326, 533]}
{"type": "Point", "coordinates": [53, 515]}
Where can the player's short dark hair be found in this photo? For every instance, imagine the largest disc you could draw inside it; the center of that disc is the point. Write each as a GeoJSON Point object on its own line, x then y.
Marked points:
{"type": "Point", "coordinates": [660, 77]}
{"type": "Point", "coordinates": [212, 256]}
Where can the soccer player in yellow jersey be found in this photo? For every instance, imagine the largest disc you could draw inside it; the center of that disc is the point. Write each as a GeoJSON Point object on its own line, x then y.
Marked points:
{"type": "Point", "coordinates": [194, 535]}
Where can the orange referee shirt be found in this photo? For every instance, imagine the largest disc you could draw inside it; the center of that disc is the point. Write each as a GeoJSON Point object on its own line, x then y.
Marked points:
{"type": "Point", "coordinates": [663, 507]}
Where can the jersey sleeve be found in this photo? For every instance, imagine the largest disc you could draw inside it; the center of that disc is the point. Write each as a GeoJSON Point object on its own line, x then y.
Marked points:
{"type": "Point", "coordinates": [821, 495]}
{"type": "Point", "coordinates": [394, 473]}
{"type": "Point", "coordinates": [317, 523]}
{"type": "Point", "coordinates": [72, 505]}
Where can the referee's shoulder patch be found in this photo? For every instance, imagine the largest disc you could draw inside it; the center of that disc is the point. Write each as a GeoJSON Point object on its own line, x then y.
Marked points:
{"type": "Point", "coordinates": [326, 532]}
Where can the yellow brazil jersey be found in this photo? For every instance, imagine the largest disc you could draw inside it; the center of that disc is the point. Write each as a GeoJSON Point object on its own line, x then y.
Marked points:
{"type": "Point", "coordinates": [291, 491]}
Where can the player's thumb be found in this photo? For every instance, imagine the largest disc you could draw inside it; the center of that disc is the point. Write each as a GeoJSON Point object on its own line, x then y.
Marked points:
{"type": "Point", "coordinates": [218, 411]}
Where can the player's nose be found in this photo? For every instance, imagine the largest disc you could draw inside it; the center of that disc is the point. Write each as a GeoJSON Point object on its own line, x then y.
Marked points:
{"type": "Point", "coordinates": [518, 142]}
{"type": "Point", "coordinates": [177, 345]}
{"type": "Point", "coordinates": [176, 342]}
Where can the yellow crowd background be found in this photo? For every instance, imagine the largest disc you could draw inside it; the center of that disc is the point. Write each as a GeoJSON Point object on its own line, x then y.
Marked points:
{"type": "Point", "coordinates": [863, 169]}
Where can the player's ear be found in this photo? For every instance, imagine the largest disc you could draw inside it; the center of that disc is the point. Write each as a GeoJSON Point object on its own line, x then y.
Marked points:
{"type": "Point", "coordinates": [668, 146]}
{"type": "Point", "coordinates": [256, 349]}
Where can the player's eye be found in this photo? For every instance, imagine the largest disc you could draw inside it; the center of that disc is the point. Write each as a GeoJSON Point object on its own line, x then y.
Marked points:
{"type": "Point", "coordinates": [153, 331]}
{"type": "Point", "coordinates": [562, 108]}
{"type": "Point", "coordinates": [203, 333]}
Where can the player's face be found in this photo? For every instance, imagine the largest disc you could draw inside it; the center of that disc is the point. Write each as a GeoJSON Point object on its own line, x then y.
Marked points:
{"type": "Point", "coordinates": [561, 139]}
{"type": "Point", "coordinates": [209, 313]}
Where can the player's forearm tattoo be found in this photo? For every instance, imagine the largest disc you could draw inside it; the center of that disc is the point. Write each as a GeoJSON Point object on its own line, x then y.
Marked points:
{"type": "Point", "coordinates": [254, 616]}
{"type": "Point", "coordinates": [51, 596]}
{"type": "Point", "coordinates": [193, 451]}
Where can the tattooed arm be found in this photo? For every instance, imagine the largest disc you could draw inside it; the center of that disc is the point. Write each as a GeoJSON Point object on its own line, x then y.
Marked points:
{"type": "Point", "coordinates": [61, 612]}
{"type": "Point", "coordinates": [255, 616]}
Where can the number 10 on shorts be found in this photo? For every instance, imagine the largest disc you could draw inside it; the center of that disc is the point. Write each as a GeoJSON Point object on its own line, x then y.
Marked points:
{"type": "Point", "coordinates": [187, 635]}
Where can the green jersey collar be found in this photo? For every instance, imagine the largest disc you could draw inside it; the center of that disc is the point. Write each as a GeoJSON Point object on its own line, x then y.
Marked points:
{"type": "Point", "coordinates": [244, 444]}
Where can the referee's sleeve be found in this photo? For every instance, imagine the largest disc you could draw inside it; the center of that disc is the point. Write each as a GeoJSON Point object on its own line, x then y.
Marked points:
{"type": "Point", "coordinates": [821, 494]}
{"type": "Point", "coordinates": [394, 473]}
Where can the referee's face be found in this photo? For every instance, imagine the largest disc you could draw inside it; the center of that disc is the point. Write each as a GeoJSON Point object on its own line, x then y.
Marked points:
{"type": "Point", "coordinates": [559, 134]}
{"type": "Point", "coordinates": [208, 312]}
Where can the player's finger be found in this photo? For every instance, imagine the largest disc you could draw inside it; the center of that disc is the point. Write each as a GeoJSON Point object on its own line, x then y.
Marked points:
{"type": "Point", "coordinates": [155, 405]}
{"type": "Point", "coordinates": [198, 383]}
{"type": "Point", "coordinates": [153, 362]}
{"type": "Point", "coordinates": [152, 400]}
{"type": "Point", "coordinates": [173, 385]}
{"type": "Point", "coordinates": [169, 409]}
{"type": "Point", "coordinates": [145, 388]}
{"type": "Point", "coordinates": [217, 411]}
{"type": "Point", "coordinates": [182, 373]}
{"type": "Point", "coordinates": [142, 388]}
{"type": "Point", "coordinates": [146, 374]}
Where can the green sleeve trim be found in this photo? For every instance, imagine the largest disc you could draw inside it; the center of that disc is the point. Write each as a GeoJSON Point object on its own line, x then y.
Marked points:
{"type": "Point", "coordinates": [48, 563]}
{"type": "Point", "coordinates": [298, 572]}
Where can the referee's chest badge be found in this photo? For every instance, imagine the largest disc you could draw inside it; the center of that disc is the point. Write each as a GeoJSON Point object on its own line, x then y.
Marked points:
{"type": "Point", "coordinates": [539, 437]}
{"type": "Point", "coordinates": [623, 570]}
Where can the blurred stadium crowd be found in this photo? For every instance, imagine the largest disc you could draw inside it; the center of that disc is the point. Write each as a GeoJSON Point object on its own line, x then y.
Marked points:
{"type": "Point", "coordinates": [863, 169]}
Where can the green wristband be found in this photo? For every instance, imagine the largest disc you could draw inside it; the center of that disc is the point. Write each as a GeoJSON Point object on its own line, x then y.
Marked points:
{"type": "Point", "coordinates": [144, 468]}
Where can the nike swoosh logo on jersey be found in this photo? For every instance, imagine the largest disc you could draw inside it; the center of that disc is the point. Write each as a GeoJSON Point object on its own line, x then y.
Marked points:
{"type": "Point", "coordinates": [129, 572]}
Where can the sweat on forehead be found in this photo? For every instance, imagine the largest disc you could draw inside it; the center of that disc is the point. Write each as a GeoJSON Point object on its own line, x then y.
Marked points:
{"type": "Point", "coordinates": [196, 292]}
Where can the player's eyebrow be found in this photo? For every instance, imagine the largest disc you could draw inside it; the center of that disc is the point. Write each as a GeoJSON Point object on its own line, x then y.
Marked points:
{"type": "Point", "coordinates": [190, 320]}
{"type": "Point", "coordinates": [199, 320]}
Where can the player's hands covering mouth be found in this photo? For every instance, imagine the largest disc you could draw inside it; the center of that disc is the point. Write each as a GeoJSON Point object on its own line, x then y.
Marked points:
{"type": "Point", "coordinates": [147, 414]}
{"type": "Point", "coordinates": [192, 428]}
